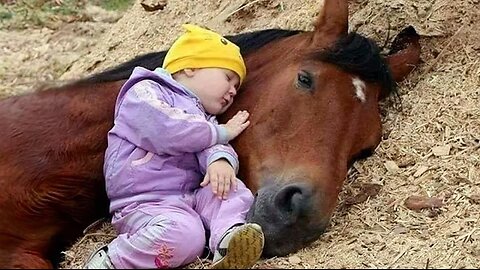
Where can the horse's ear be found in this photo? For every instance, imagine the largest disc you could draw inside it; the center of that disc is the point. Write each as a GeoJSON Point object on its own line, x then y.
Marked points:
{"type": "Point", "coordinates": [404, 53]}
{"type": "Point", "coordinates": [332, 22]}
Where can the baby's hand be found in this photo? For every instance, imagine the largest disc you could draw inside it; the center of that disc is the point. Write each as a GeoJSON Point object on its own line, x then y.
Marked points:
{"type": "Point", "coordinates": [237, 124]}
{"type": "Point", "coordinates": [221, 175]}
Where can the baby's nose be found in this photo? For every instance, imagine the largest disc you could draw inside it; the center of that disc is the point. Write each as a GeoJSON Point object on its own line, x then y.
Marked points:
{"type": "Point", "coordinates": [233, 91]}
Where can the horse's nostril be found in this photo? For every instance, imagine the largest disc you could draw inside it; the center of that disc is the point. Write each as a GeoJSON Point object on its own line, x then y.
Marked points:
{"type": "Point", "coordinates": [287, 197]}
{"type": "Point", "coordinates": [292, 201]}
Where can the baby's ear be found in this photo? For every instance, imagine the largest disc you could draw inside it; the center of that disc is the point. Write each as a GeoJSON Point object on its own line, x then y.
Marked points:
{"type": "Point", "coordinates": [189, 72]}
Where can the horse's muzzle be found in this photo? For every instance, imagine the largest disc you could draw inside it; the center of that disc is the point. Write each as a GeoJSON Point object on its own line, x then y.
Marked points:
{"type": "Point", "coordinates": [289, 216]}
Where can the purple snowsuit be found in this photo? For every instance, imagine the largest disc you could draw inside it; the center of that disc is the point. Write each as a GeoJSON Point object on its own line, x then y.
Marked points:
{"type": "Point", "coordinates": [158, 151]}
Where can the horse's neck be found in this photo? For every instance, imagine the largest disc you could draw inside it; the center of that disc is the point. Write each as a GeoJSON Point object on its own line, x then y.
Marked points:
{"type": "Point", "coordinates": [83, 105]}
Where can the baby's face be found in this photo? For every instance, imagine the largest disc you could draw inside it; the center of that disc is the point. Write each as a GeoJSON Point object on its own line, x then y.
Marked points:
{"type": "Point", "coordinates": [216, 88]}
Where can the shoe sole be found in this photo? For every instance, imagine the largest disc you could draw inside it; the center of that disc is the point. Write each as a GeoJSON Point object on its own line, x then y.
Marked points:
{"type": "Point", "coordinates": [244, 249]}
{"type": "Point", "coordinates": [96, 259]}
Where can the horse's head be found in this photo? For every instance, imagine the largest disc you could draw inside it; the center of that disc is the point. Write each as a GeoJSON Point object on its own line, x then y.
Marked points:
{"type": "Point", "coordinates": [313, 99]}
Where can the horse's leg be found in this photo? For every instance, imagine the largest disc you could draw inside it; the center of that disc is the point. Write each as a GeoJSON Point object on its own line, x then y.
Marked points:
{"type": "Point", "coordinates": [22, 258]}
{"type": "Point", "coordinates": [26, 242]}
{"type": "Point", "coordinates": [30, 259]}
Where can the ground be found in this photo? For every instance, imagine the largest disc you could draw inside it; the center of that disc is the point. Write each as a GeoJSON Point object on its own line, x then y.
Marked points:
{"type": "Point", "coordinates": [430, 147]}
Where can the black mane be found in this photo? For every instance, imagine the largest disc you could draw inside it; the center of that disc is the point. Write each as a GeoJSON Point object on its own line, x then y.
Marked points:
{"type": "Point", "coordinates": [247, 42]}
{"type": "Point", "coordinates": [361, 56]}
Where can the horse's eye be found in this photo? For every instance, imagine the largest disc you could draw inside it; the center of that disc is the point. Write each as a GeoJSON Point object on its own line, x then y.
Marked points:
{"type": "Point", "coordinates": [304, 80]}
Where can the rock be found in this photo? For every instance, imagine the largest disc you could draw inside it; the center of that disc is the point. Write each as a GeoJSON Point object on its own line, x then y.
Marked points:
{"type": "Point", "coordinates": [391, 166]}
{"type": "Point", "coordinates": [294, 259]}
{"type": "Point", "coordinates": [153, 5]}
{"type": "Point", "coordinates": [418, 203]}
{"type": "Point", "coordinates": [440, 151]}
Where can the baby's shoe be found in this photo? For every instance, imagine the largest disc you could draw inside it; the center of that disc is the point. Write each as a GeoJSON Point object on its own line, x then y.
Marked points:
{"type": "Point", "coordinates": [240, 247]}
{"type": "Point", "coordinates": [99, 260]}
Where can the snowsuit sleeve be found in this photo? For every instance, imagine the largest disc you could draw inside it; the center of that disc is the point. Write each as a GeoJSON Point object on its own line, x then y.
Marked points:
{"type": "Point", "coordinates": [145, 117]}
{"type": "Point", "coordinates": [216, 152]}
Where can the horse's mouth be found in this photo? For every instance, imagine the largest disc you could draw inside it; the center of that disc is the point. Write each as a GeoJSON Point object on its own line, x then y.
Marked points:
{"type": "Point", "coordinates": [284, 211]}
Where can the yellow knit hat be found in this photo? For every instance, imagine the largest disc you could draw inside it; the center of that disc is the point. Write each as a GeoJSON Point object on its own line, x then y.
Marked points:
{"type": "Point", "coordinates": [202, 48]}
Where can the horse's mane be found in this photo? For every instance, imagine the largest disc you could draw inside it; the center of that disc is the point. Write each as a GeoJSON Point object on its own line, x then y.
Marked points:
{"type": "Point", "coordinates": [248, 42]}
{"type": "Point", "coordinates": [353, 53]}
{"type": "Point", "coordinates": [361, 56]}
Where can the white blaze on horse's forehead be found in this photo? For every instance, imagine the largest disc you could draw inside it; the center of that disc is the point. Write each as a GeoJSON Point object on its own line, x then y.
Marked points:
{"type": "Point", "coordinates": [359, 89]}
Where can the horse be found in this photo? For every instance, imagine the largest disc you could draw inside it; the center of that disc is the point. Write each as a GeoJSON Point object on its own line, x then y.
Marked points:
{"type": "Point", "coordinates": [313, 97]}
